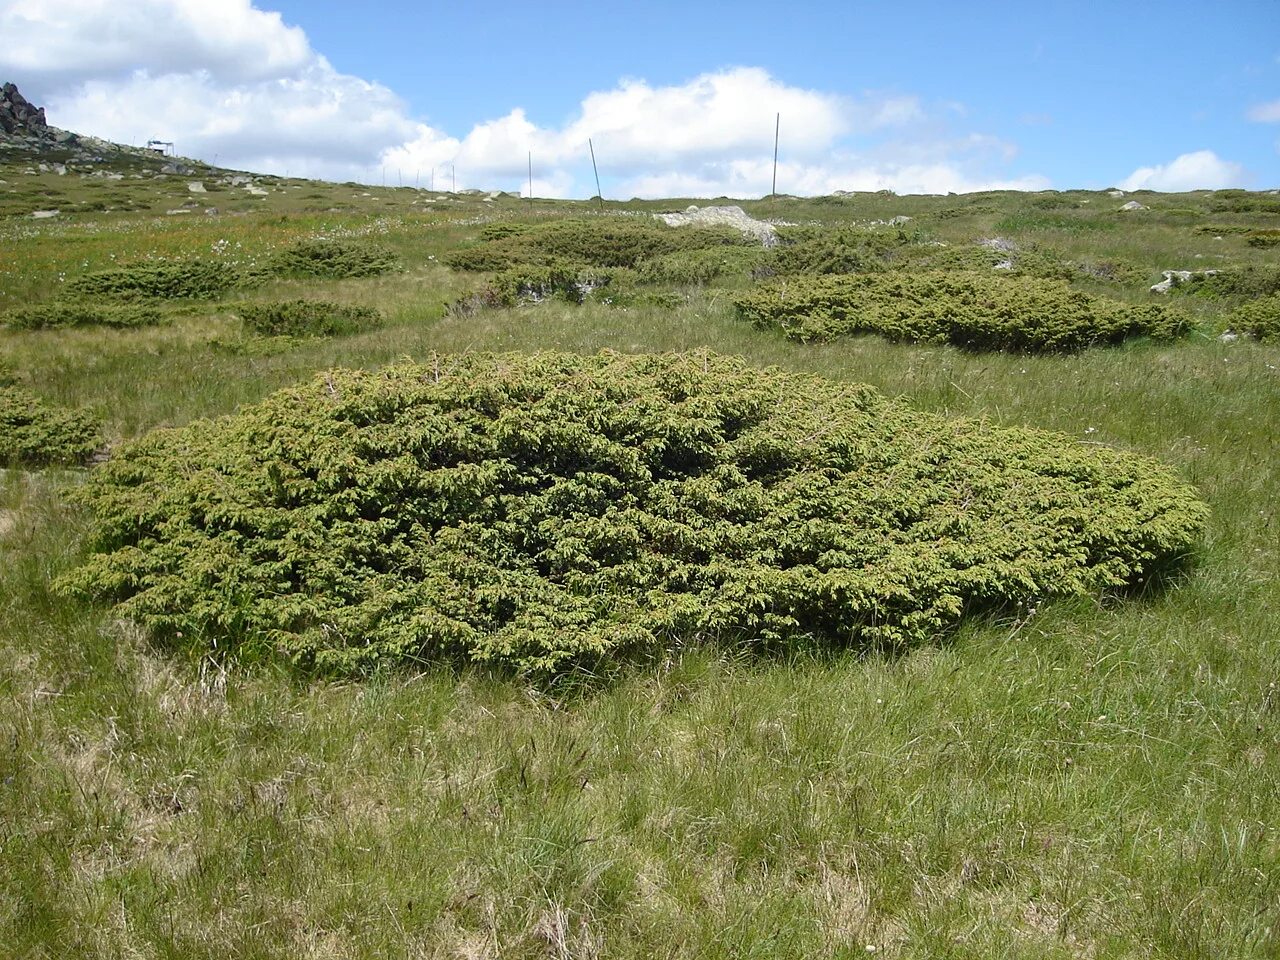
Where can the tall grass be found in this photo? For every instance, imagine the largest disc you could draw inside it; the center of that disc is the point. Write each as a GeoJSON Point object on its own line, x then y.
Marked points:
{"type": "Point", "coordinates": [1094, 779]}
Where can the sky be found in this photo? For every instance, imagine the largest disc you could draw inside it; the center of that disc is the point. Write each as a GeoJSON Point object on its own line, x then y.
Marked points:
{"type": "Point", "coordinates": [676, 98]}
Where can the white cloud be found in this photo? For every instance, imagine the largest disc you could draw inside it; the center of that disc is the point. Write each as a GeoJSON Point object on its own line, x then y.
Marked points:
{"type": "Point", "coordinates": [77, 40]}
{"type": "Point", "coordinates": [1201, 170]}
{"type": "Point", "coordinates": [227, 81]}
{"type": "Point", "coordinates": [1265, 112]}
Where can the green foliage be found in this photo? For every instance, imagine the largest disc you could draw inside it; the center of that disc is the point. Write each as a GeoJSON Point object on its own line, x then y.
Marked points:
{"type": "Point", "coordinates": [334, 259]}
{"type": "Point", "coordinates": [544, 510]}
{"type": "Point", "coordinates": [1264, 239]}
{"type": "Point", "coordinates": [612, 242]}
{"type": "Point", "coordinates": [847, 250]}
{"type": "Point", "coordinates": [190, 280]}
{"type": "Point", "coordinates": [1244, 282]}
{"type": "Point", "coordinates": [1242, 201]}
{"type": "Point", "coordinates": [533, 283]}
{"type": "Point", "coordinates": [1259, 318]}
{"type": "Point", "coordinates": [695, 267]}
{"type": "Point", "coordinates": [34, 433]}
{"type": "Point", "coordinates": [307, 318]}
{"type": "Point", "coordinates": [970, 310]}
{"type": "Point", "coordinates": [80, 313]}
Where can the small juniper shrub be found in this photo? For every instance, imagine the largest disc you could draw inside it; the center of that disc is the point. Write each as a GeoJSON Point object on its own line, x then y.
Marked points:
{"type": "Point", "coordinates": [307, 318]}
{"type": "Point", "coordinates": [699, 267]}
{"type": "Point", "coordinates": [611, 242]}
{"type": "Point", "coordinates": [1260, 318]}
{"type": "Point", "coordinates": [82, 313]}
{"type": "Point", "coordinates": [334, 259]}
{"type": "Point", "coordinates": [190, 280]}
{"type": "Point", "coordinates": [1239, 282]}
{"type": "Point", "coordinates": [542, 511]}
{"type": "Point", "coordinates": [533, 283]}
{"type": "Point", "coordinates": [970, 310]}
{"type": "Point", "coordinates": [35, 433]}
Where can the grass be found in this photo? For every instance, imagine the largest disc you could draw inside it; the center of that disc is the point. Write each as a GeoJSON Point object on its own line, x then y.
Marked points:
{"type": "Point", "coordinates": [1093, 779]}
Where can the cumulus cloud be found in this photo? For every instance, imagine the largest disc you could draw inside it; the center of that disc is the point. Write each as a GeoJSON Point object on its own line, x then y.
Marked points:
{"type": "Point", "coordinates": [1201, 170]}
{"type": "Point", "coordinates": [230, 82]}
{"type": "Point", "coordinates": [79, 40]}
{"type": "Point", "coordinates": [1265, 112]}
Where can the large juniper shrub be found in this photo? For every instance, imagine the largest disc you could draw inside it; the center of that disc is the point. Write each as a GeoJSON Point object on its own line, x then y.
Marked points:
{"type": "Point", "coordinates": [971, 310]}
{"type": "Point", "coordinates": [541, 510]}
{"type": "Point", "coordinates": [36, 433]}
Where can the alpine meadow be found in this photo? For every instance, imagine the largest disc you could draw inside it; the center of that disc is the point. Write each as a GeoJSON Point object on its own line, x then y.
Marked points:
{"type": "Point", "coordinates": [400, 573]}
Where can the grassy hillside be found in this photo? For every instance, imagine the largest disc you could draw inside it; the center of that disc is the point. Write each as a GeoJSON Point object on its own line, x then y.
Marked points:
{"type": "Point", "coordinates": [1096, 777]}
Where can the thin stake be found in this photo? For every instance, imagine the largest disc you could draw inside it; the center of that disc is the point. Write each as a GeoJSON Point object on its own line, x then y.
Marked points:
{"type": "Point", "coordinates": [599, 192]}
{"type": "Point", "coordinates": [531, 178]}
{"type": "Point", "coordinates": [453, 179]}
{"type": "Point", "coordinates": [777, 129]}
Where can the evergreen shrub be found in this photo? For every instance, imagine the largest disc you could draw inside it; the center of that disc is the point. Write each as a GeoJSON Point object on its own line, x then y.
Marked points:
{"type": "Point", "coordinates": [544, 511]}
{"type": "Point", "coordinates": [307, 318]}
{"type": "Point", "coordinates": [970, 310]}
{"type": "Point", "coordinates": [1259, 318]}
{"type": "Point", "coordinates": [191, 280]}
{"type": "Point", "coordinates": [334, 259]}
{"type": "Point", "coordinates": [80, 313]}
{"type": "Point", "coordinates": [35, 433]}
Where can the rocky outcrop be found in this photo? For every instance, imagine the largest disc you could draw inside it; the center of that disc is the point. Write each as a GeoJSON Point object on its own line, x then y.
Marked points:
{"type": "Point", "coordinates": [734, 217]}
{"type": "Point", "coordinates": [19, 117]}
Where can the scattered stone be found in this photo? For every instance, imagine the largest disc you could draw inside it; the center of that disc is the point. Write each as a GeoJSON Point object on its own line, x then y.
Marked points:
{"type": "Point", "coordinates": [1174, 277]}
{"type": "Point", "coordinates": [1115, 193]}
{"type": "Point", "coordinates": [899, 220]}
{"type": "Point", "coordinates": [998, 243]}
{"type": "Point", "coordinates": [174, 213]}
{"type": "Point", "coordinates": [43, 214]}
{"type": "Point", "coordinates": [1229, 336]}
{"type": "Point", "coordinates": [211, 211]}
{"type": "Point", "coordinates": [1003, 265]}
{"type": "Point", "coordinates": [255, 191]}
{"type": "Point", "coordinates": [1133, 205]}
{"type": "Point", "coordinates": [195, 186]}
{"type": "Point", "coordinates": [732, 216]}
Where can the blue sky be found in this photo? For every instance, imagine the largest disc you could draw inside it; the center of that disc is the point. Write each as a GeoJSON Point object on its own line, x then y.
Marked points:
{"type": "Point", "coordinates": [679, 98]}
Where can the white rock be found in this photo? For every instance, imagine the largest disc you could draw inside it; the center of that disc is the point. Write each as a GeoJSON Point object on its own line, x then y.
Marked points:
{"type": "Point", "coordinates": [733, 216]}
{"type": "Point", "coordinates": [195, 186]}
{"type": "Point", "coordinates": [899, 220]}
{"type": "Point", "coordinates": [1229, 336]}
{"type": "Point", "coordinates": [1173, 277]}
{"type": "Point", "coordinates": [43, 214]}
{"type": "Point", "coordinates": [1133, 205]}
{"type": "Point", "coordinates": [1115, 193]}
{"type": "Point", "coordinates": [174, 213]}
{"type": "Point", "coordinates": [255, 191]}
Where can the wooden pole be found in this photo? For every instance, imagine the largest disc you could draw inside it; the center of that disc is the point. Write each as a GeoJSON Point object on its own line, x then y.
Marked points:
{"type": "Point", "coordinates": [777, 129]}
{"type": "Point", "coordinates": [599, 192]}
{"type": "Point", "coordinates": [531, 178]}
